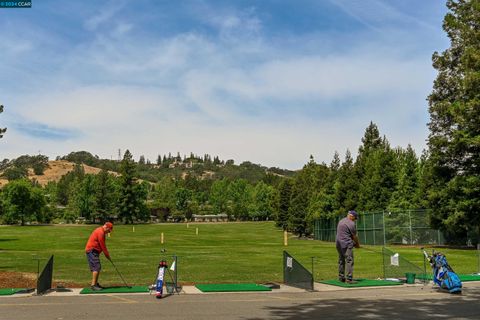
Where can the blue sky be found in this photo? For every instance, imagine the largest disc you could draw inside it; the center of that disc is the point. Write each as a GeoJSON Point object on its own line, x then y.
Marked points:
{"type": "Point", "coordinates": [271, 82]}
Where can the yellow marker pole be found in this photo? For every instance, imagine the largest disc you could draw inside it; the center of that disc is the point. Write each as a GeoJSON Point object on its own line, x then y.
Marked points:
{"type": "Point", "coordinates": [161, 239]}
{"type": "Point", "coordinates": [188, 226]}
{"type": "Point", "coordinates": [196, 231]}
{"type": "Point", "coordinates": [285, 238]}
{"type": "Point", "coordinates": [133, 228]}
{"type": "Point", "coordinates": [108, 234]}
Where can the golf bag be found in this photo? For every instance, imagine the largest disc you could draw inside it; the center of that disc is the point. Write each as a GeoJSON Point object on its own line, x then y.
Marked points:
{"type": "Point", "coordinates": [162, 267]}
{"type": "Point", "coordinates": [443, 274]}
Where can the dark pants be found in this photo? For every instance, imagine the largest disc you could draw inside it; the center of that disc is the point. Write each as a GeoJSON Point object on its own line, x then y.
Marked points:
{"type": "Point", "coordinates": [345, 259]}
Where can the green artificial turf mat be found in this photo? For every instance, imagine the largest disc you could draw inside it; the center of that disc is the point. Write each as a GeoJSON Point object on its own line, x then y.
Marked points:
{"type": "Point", "coordinates": [362, 283]}
{"type": "Point", "coordinates": [463, 277]}
{"type": "Point", "coordinates": [8, 292]}
{"type": "Point", "coordinates": [231, 287]}
{"type": "Point", "coordinates": [469, 277]}
{"type": "Point", "coordinates": [423, 276]}
{"type": "Point", "coordinates": [133, 289]}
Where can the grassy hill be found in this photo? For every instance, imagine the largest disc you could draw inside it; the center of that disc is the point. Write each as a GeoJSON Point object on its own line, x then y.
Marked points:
{"type": "Point", "coordinates": [175, 167]}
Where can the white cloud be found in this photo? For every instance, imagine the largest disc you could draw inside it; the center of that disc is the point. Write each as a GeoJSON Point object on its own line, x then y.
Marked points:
{"type": "Point", "coordinates": [105, 14]}
{"type": "Point", "coordinates": [233, 94]}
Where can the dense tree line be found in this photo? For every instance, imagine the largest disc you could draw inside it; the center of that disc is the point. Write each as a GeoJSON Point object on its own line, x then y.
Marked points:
{"type": "Point", "coordinates": [125, 197]}
{"type": "Point", "coordinates": [379, 178]}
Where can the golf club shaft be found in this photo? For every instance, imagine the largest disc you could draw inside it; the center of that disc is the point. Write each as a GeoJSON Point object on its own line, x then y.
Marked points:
{"type": "Point", "coordinates": [368, 249]}
{"type": "Point", "coordinates": [125, 282]}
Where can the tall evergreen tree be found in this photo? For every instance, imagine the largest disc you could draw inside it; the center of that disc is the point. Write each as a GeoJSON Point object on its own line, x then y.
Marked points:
{"type": "Point", "coordinates": [297, 213]}
{"type": "Point", "coordinates": [454, 140]}
{"type": "Point", "coordinates": [405, 196]}
{"type": "Point", "coordinates": [303, 187]}
{"type": "Point", "coordinates": [364, 165]}
{"type": "Point", "coordinates": [371, 141]}
{"type": "Point", "coordinates": [346, 187]}
{"type": "Point", "coordinates": [379, 179]}
{"type": "Point", "coordinates": [285, 191]}
{"type": "Point", "coordinates": [127, 199]}
{"type": "Point", "coordinates": [105, 196]}
{"type": "Point", "coordinates": [373, 155]}
{"type": "Point", "coordinates": [425, 180]}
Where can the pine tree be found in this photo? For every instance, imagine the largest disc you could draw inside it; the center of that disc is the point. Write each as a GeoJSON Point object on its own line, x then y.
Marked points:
{"type": "Point", "coordinates": [405, 196]}
{"type": "Point", "coordinates": [346, 187]}
{"type": "Point", "coordinates": [127, 207]}
{"type": "Point", "coordinates": [371, 141]}
{"type": "Point", "coordinates": [105, 195]}
{"type": "Point", "coordinates": [285, 191]}
{"type": "Point", "coordinates": [454, 140]}
{"type": "Point", "coordinates": [303, 186]}
{"type": "Point", "coordinates": [379, 179]}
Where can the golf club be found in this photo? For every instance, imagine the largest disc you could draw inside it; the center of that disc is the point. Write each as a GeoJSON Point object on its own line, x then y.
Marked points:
{"type": "Point", "coordinates": [125, 282]}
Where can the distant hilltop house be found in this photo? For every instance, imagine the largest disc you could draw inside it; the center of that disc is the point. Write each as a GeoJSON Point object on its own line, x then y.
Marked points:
{"type": "Point", "coordinates": [185, 164]}
{"type": "Point", "coordinates": [189, 164]}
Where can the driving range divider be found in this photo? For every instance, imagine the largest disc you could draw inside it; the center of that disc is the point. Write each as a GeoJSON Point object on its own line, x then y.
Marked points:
{"type": "Point", "coordinates": [296, 275]}
{"type": "Point", "coordinates": [44, 280]}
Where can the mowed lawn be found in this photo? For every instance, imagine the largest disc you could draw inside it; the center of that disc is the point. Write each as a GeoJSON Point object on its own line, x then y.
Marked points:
{"type": "Point", "coordinates": [220, 253]}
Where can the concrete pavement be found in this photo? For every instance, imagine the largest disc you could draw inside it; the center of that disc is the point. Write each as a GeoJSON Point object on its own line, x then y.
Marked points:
{"type": "Point", "coordinates": [328, 302]}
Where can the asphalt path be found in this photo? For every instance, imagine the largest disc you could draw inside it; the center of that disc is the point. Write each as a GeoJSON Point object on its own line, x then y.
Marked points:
{"type": "Point", "coordinates": [402, 302]}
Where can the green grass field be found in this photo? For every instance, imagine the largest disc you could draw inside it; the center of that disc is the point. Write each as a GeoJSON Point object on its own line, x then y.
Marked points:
{"type": "Point", "coordinates": [220, 253]}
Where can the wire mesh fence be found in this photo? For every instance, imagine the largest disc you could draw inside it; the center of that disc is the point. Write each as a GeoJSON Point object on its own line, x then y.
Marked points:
{"type": "Point", "coordinates": [409, 227]}
{"type": "Point", "coordinates": [396, 266]}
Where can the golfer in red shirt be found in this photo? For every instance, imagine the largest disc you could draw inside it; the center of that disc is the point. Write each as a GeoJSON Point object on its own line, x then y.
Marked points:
{"type": "Point", "coordinates": [95, 246]}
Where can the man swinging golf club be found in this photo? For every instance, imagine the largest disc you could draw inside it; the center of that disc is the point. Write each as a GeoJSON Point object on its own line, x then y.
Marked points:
{"type": "Point", "coordinates": [95, 246]}
{"type": "Point", "coordinates": [346, 240]}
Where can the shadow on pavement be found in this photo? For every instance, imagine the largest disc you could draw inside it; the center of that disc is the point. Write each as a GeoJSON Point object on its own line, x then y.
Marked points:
{"type": "Point", "coordinates": [450, 306]}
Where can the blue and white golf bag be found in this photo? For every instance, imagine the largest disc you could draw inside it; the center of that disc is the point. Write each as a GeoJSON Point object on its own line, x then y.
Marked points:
{"type": "Point", "coordinates": [443, 274]}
